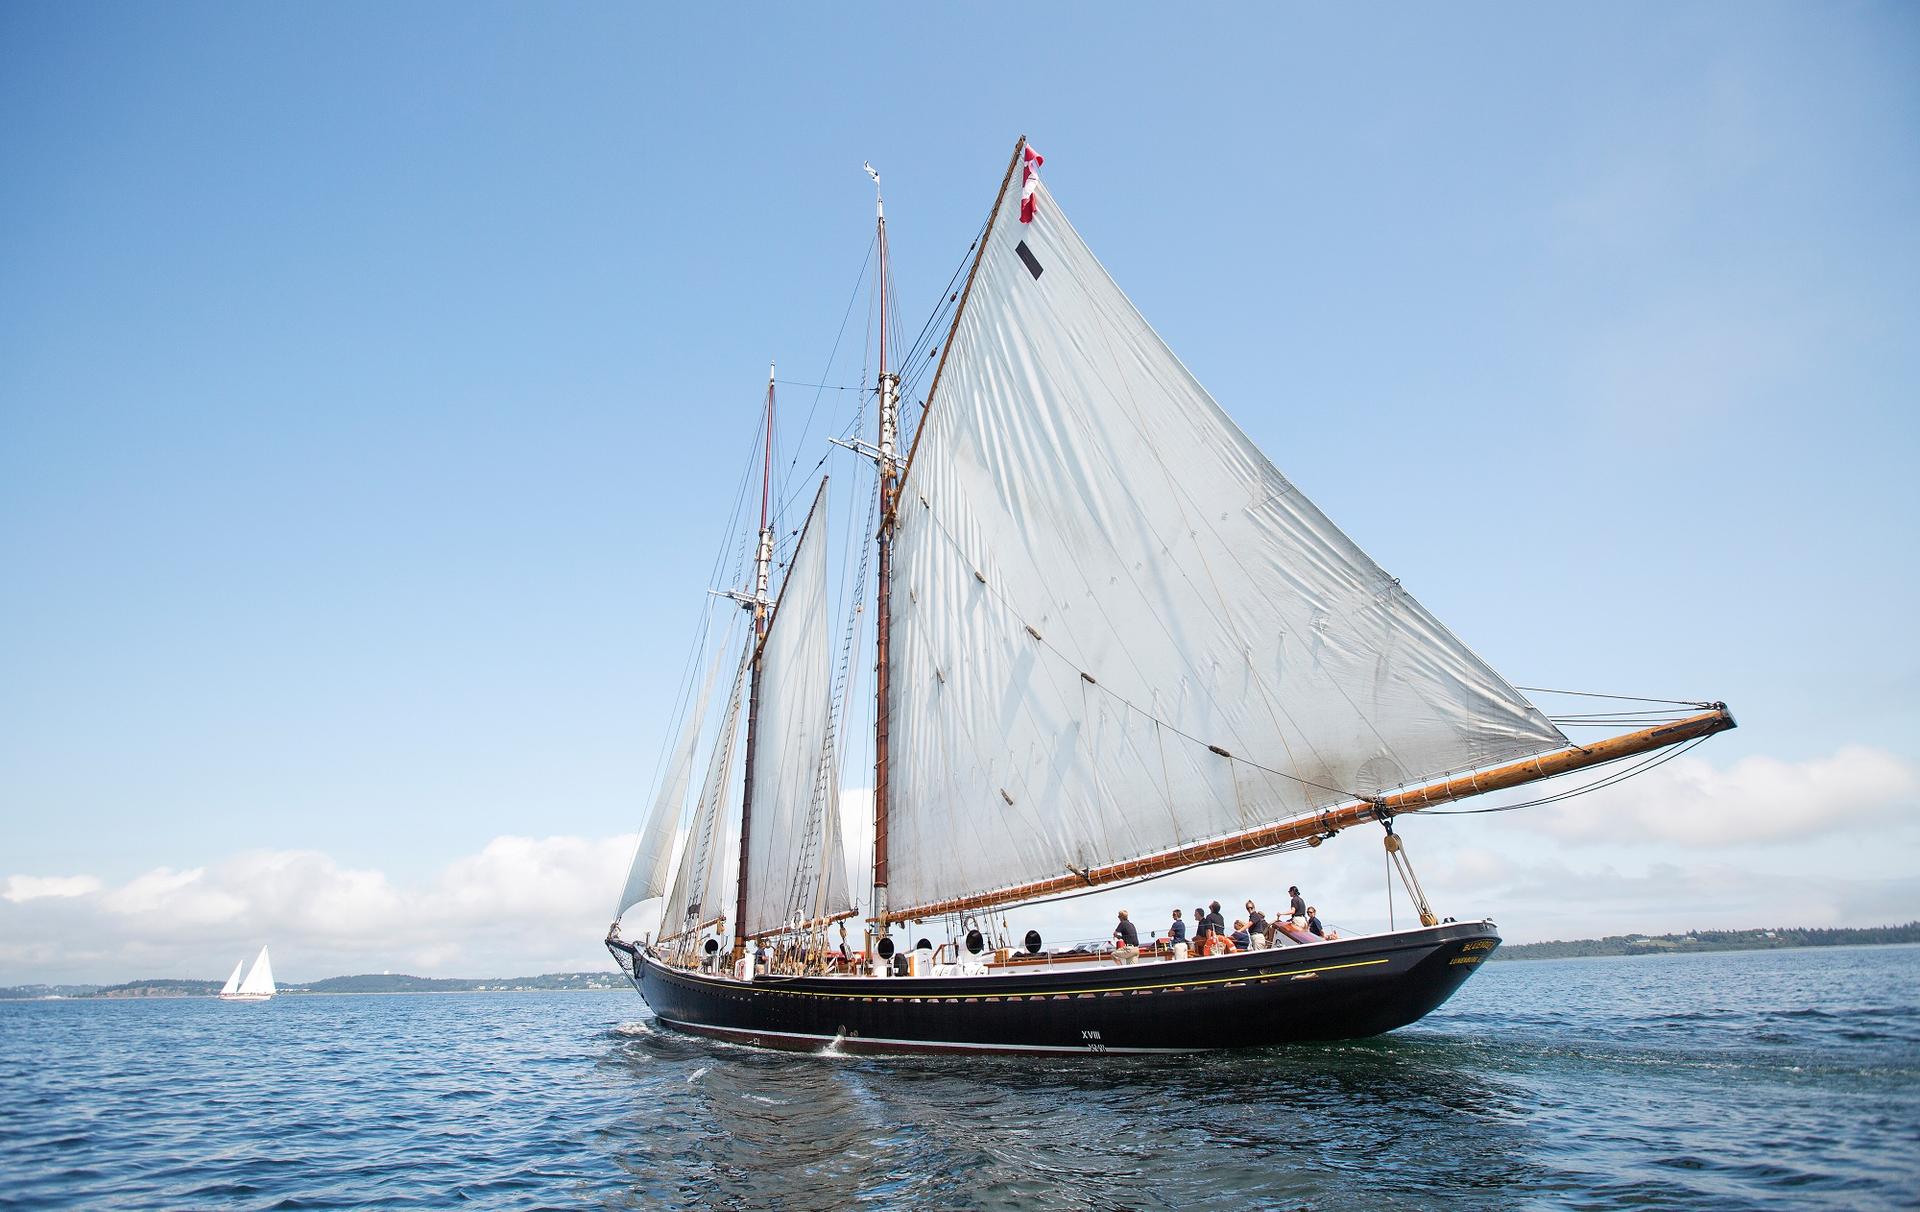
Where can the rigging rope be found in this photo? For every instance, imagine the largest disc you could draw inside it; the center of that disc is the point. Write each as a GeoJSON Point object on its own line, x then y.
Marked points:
{"type": "Point", "coordinates": [1618, 776]}
{"type": "Point", "coordinates": [833, 354]}
{"type": "Point", "coordinates": [1626, 698]}
{"type": "Point", "coordinates": [1034, 633]}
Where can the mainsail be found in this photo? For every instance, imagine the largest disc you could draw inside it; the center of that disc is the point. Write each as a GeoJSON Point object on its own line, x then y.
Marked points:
{"type": "Point", "coordinates": [1117, 628]}
{"type": "Point", "coordinates": [259, 982]}
{"type": "Point", "coordinates": [697, 894]}
{"type": "Point", "coordinates": [792, 875]}
{"type": "Point", "coordinates": [653, 855]}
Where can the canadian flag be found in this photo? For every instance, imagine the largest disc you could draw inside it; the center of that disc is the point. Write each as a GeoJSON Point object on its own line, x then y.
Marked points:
{"type": "Point", "coordinates": [1029, 182]}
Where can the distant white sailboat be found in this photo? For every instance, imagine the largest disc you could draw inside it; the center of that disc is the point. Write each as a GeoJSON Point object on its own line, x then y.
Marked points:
{"type": "Point", "coordinates": [258, 986]}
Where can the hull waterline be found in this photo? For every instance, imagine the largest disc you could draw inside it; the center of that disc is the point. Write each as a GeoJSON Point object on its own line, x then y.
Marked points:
{"type": "Point", "coordinates": [1346, 989]}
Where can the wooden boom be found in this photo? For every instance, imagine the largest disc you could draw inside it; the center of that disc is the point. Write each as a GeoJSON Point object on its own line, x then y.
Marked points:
{"type": "Point", "coordinates": [690, 931]}
{"type": "Point", "coordinates": [841, 916]}
{"type": "Point", "coordinates": [1356, 812]}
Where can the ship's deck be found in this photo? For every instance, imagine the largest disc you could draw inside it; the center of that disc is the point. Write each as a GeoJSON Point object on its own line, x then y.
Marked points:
{"type": "Point", "coordinates": [1022, 964]}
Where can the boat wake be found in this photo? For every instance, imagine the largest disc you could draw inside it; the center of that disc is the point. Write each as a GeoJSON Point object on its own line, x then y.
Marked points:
{"type": "Point", "coordinates": [833, 1047]}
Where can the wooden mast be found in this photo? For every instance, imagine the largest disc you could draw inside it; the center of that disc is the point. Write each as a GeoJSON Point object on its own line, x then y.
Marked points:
{"type": "Point", "coordinates": [1357, 812]}
{"type": "Point", "coordinates": [762, 570]}
{"type": "Point", "coordinates": [889, 385]}
{"type": "Point", "coordinates": [891, 474]}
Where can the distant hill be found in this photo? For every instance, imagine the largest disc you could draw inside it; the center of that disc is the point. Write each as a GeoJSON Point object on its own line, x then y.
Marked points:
{"type": "Point", "coordinates": [383, 983]}
{"type": "Point", "coordinates": [371, 983]}
{"type": "Point", "coordinates": [19, 992]}
{"type": "Point", "coordinates": [1710, 940]}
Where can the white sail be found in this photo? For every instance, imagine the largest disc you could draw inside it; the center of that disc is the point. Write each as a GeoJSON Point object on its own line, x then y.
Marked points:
{"type": "Point", "coordinates": [654, 854]}
{"type": "Point", "coordinates": [1077, 504]}
{"type": "Point", "coordinates": [788, 871]}
{"type": "Point", "coordinates": [259, 982]}
{"type": "Point", "coordinates": [697, 891]}
{"type": "Point", "coordinates": [233, 982]}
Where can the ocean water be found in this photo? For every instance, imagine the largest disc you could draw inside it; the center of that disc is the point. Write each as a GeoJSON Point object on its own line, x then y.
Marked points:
{"type": "Point", "coordinates": [1780, 1079]}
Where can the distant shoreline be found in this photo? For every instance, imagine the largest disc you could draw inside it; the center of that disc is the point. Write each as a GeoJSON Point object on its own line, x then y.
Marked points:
{"type": "Point", "coordinates": [1712, 940]}
{"type": "Point", "coordinates": [382, 984]}
{"type": "Point", "coordinates": [8, 995]}
{"type": "Point", "coordinates": [386, 985]}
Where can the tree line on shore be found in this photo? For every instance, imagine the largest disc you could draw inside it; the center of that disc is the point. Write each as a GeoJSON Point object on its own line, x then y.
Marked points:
{"type": "Point", "coordinates": [379, 982]}
{"type": "Point", "coordinates": [1713, 940]}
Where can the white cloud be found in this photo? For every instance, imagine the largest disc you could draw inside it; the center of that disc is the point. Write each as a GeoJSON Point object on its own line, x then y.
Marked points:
{"type": "Point", "coordinates": [1757, 799]}
{"type": "Point", "coordinates": [23, 888]}
{"type": "Point", "coordinates": [517, 906]}
{"type": "Point", "coordinates": [520, 905]}
{"type": "Point", "coordinates": [1557, 899]}
{"type": "Point", "coordinates": [175, 898]}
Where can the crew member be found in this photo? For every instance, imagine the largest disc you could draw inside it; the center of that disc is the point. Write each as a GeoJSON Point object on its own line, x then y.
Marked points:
{"type": "Point", "coordinates": [1126, 937]}
{"type": "Point", "coordinates": [1177, 932]}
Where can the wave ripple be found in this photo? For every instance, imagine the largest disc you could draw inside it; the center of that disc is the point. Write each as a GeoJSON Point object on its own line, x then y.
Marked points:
{"type": "Point", "coordinates": [1763, 1079]}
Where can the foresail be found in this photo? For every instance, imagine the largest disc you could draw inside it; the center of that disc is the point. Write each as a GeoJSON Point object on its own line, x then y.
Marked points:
{"type": "Point", "coordinates": [1117, 629]}
{"type": "Point", "coordinates": [654, 854]}
{"type": "Point", "coordinates": [233, 982]}
{"type": "Point", "coordinates": [793, 769]}
{"type": "Point", "coordinates": [695, 896]}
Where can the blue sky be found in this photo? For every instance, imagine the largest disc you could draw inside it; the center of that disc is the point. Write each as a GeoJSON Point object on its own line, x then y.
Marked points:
{"type": "Point", "coordinates": [373, 381]}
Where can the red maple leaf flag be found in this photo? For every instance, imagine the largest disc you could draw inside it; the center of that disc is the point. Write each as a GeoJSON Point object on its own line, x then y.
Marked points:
{"type": "Point", "coordinates": [1029, 181]}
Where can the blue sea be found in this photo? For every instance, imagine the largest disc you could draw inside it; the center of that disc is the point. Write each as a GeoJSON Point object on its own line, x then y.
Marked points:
{"type": "Point", "coordinates": [1785, 1079]}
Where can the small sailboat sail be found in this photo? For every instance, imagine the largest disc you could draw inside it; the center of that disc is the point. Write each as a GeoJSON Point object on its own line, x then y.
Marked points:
{"type": "Point", "coordinates": [258, 986]}
{"type": "Point", "coordinates": [233, 982]}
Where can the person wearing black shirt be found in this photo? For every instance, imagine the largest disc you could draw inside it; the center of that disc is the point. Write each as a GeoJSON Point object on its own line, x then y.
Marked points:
{"type": "Point", "coordinates": [1126, 939]}
{"type": "Point", "coordinates": [1313, 922]}
{"type": "Point", "coordinates": [1299, 905]}
{"type": "Point", "coordinates": [1215, 922]}
{"type": "Point", "coordinates": [1256, 923]}
{"type": "Point", "coordinates": [1201, 926]}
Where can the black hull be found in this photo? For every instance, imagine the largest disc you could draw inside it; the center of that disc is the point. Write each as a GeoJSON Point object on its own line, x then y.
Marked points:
{"type": "Point", "coordinates": [1346, 989]}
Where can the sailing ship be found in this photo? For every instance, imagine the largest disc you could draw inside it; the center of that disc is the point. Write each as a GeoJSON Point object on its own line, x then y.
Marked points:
{"type": "Point", "coordinates": [258, 986]}
{"type": "Point", "coordinates": [1111, 641]}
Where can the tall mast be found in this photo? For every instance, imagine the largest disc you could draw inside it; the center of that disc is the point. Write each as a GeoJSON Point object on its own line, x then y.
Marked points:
{"type": "Point", "coordinates": [891, 471]}
{"type": "Point", "coordinates": [762, 571]}
{"type": "Point", "coordinates": [889, 476]}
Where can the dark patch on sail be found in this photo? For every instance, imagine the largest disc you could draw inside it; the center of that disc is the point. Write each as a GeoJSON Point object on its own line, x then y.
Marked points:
{"type": "Point", "coordinates": [1026, 255]}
